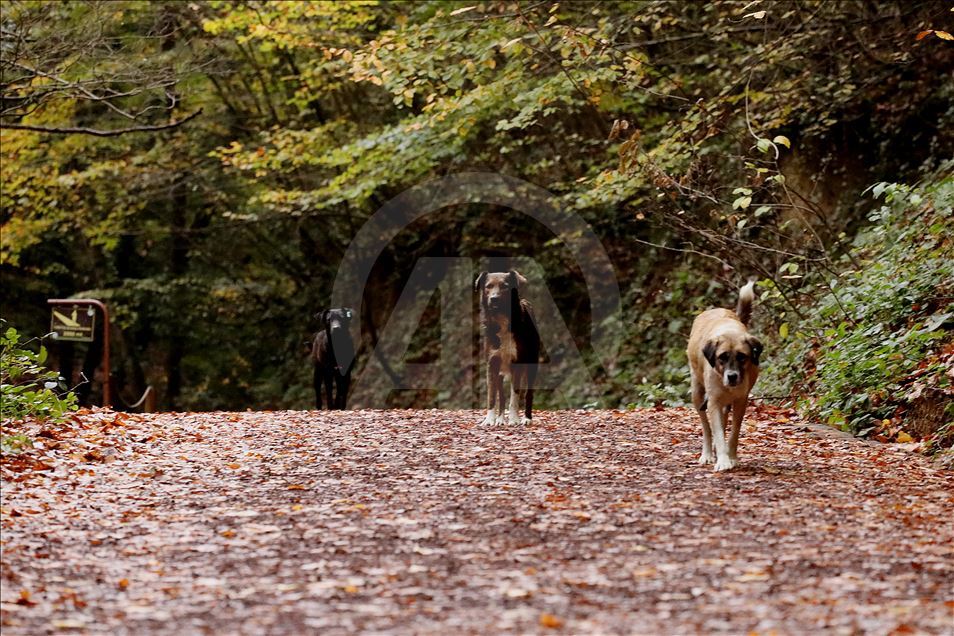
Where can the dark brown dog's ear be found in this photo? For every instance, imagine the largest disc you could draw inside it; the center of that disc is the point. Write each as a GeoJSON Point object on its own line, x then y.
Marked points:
{"type": "Point", "coordinates": [521, 280]}
{"type": "Point", "coordinates": [756, 347]}
{"type": "Point", "coordinates": [324, 317]}
{"type": "Point", "coordinates": [479, 283]}
{"type": "Point", "coordinates": [513, 279]}
{"type": "Point", "coordinates": [709, 351]}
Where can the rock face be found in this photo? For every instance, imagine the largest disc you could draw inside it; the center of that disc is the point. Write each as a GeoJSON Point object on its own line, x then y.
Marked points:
{"type": "Point", "coordinates": [932, 412]}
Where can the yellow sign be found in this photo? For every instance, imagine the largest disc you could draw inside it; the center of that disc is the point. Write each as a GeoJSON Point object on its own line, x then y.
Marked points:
{"type": "Point", "coordinates": [77, 323]}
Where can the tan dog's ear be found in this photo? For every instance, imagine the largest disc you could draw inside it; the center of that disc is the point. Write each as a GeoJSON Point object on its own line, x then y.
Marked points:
{"type": "Point", "coordinates": [755, 346]}
{"type": "Point", "coordinates": [709, 351]}
{"type": "Point", "coordinates": [480, 281]}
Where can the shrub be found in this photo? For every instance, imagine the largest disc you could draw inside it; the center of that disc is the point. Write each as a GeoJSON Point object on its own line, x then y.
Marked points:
{"type": "Point", "coordinates": [880, 333]}
{"type": "Point", "coordinates": [27, 388]}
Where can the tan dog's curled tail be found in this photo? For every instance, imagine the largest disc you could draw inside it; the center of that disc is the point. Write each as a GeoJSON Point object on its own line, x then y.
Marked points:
{"type": "Point", "coordinates": [744, 307]}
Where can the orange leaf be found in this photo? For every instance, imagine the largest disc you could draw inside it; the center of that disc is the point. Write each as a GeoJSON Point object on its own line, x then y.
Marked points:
{"type": "Point", "coordinates": [228, 534]}
{"type": "Point", "coordinates": [924, 34]}
{"type": "Point", "coordinates": [551, 621]}
{"type": "Point", "coordinates": [297, 487]}
{"type": "Point", "coordinates": [122, 584]}
{"type": "Point", "coordinates": [25, 598]}
{"type": "Point", "coordinates": [234, 465]}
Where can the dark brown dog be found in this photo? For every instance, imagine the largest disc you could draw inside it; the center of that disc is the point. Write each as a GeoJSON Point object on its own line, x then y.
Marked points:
{"type": "Point", "coordinates": [724, 365]}
{"type": "Point", "coordinates": [511, 344]}
{"type": "Point", "coordinates": [331, 347]}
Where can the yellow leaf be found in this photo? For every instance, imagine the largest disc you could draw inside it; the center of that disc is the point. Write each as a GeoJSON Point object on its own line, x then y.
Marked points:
{"type": "Point", "coordinates": [783, 330]}
{"type": "Point", "coordinates": [463, 10]}
{"type": "Point", "coordinates": [904, 438]}
{"type": "Point", "coordinates": [944, 35]}
{"type": "Point", "coordinates": [551, 621]}
{"type": "Point", "coordinates": [351, 589]}
{"type": "Point", "coordinates": [782, 139]}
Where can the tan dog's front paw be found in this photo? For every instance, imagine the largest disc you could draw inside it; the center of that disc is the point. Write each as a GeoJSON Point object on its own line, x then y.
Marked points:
{"type": "Point", "coordinates": [490, 420]}
{"type": "Point", "coordinates": [526, 421]}
{"type": "Point", "coordinates": [725, 463]}
{"type": "Point", "coordinates": [706, 459]}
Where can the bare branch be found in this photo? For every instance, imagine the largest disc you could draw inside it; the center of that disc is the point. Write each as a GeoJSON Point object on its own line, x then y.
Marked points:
{"type": "Point", "coordinates": [101, 133]}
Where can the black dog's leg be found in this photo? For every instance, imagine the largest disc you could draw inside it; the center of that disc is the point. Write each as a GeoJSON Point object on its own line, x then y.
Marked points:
{"type": "Point", "coordinates": [342, 382]}
{"type": "Point", "coordinates": [317, 383]}
{"type": "Point", "coordinates": [329, 389]}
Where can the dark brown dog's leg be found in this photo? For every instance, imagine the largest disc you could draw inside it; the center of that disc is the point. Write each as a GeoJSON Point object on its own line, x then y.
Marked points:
{"type": "Point", "coordinates": [531, 376]}
{"type": "Point", "coordinates": [493, 370]}
{"type": "Point", "coordinates": [501, 405]}
{"type": "Point", "coordinates": [518, 393]}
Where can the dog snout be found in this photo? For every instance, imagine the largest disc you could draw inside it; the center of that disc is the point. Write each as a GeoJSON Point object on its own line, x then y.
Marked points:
{"type": "Point", "coordinates": [732, 377]}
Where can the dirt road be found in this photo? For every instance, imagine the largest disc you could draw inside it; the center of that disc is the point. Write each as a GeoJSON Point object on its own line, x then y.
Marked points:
{"type": "Point", "coordinates": [425, 522]}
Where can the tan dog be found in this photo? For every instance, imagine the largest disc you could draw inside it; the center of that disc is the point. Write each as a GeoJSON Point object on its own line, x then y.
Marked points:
{"type": "Point", "coordinates": [724, 364]}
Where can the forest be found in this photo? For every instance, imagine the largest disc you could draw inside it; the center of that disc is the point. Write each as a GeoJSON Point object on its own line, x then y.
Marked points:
{"type": "Point", "coordinates": [260, 193]}
{"type": "Point", "coordinates": [202, 167]}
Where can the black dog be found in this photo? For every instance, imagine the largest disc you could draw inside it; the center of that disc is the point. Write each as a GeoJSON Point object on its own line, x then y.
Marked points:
{"type": "Point", "coordinates": [511, 344]}
{"type": "Point", "coordinates": [331, 345]}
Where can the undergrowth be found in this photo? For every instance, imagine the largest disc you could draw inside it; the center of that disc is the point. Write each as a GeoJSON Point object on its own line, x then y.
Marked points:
{"type": "Point", "coordinates": [28, 389]}
{"type": "Point", "coordinates": [879, 336]}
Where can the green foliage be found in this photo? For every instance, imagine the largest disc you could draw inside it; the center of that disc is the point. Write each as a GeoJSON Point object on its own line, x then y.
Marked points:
{"type": "Point", "coordinates": [881, 332]}
{"type": "Point", "coordinates": [27, 388]}
{"type": "Point", "coordinates": [694, 127]}
{"type": "Point", "coordinates": [15, 444]}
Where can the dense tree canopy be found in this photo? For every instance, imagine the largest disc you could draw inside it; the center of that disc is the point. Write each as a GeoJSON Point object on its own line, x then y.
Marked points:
{"type": "Point", "coordinates": [703, 142]}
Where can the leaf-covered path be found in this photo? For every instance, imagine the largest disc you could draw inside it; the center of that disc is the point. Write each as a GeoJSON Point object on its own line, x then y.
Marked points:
{"type": "Point", "coordinates": [423, 522]}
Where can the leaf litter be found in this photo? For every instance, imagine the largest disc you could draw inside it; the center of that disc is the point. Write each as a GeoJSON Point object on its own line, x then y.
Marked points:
{"type": "Point", "coordinates": [424, 522]}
